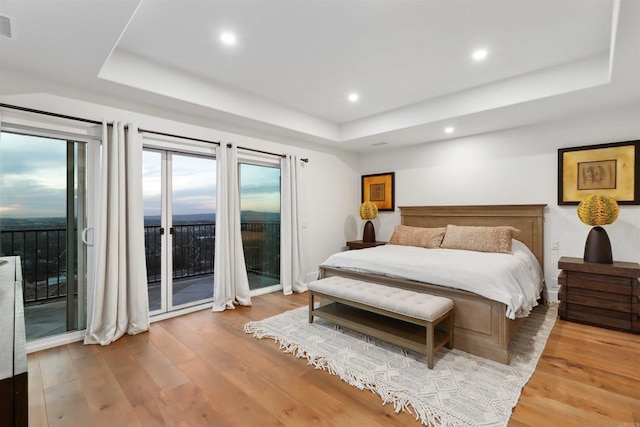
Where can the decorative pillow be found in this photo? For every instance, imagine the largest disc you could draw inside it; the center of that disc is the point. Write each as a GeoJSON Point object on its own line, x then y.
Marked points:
{"type": "Point", "coordinates": [429, 238]}
{"type": "Point", "coordinates": [479, 239]}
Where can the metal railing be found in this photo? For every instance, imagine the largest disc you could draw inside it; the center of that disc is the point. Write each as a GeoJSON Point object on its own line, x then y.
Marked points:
{"type": "Point", "coordinates": [261, 243]}
{"type": "Point", "coordinates": [193, 250]}
{"type": "Point", "coordinates": [43, 254]}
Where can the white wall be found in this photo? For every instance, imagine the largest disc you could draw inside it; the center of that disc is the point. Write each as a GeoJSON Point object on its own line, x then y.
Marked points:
{"type": "Point", "coordinates": [329, 184]}
{"type": "Point", "coordinates": [517, 166]}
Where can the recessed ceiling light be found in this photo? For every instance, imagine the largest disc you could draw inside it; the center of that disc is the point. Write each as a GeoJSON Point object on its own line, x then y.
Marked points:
{"type": "Point", "coordinates": [353, 97]}
{"type": "Point", "coordinates": [449, 129]}
{"type": "Point", "coordinates": [479, 54]}
{"type": "Point", "coordinates": [228, 38]}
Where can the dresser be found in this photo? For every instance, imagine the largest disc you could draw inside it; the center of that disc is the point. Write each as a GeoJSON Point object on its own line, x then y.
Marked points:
{"type": "Point", "coordinates": [606, 295]}
{"type": "Point", "coordinates": [13, 355]}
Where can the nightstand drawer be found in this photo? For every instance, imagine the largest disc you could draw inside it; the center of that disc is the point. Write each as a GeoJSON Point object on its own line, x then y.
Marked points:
{"type": "Point", "coordinates": [599, 317]}
{"type": "Point", "coordinates": [589, 298]}
{"type": "Point", "coordinates": [599, 282]}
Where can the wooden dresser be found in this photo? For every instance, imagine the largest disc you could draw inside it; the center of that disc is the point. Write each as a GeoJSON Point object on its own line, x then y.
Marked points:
{"type": "Point", "coordinates": [14, 406]}
{"type": "Point", "coordinates": [606, 295]}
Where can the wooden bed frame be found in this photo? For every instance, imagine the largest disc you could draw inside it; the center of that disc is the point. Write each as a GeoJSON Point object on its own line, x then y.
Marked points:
{"type": "Point", "coordinates": [481, 325]}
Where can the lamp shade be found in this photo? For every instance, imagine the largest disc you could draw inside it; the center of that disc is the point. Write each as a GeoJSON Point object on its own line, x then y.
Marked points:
{"type": "Point", "coordinates": [368, 210]}
{"type": "Point", "coordinates": [598, 210]}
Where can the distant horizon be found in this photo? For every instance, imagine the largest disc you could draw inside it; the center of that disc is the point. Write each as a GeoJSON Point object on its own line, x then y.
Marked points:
{"type": "Point", "coordinates": [146, 216]}
{"type": "Point", "coordinates": [248, 214]}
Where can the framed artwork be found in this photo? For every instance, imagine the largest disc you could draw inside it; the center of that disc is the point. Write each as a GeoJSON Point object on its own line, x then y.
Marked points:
{"type": "Point", "coordinates": [610, 169]}
{"type": "Point", "coordinates": [379, 189]}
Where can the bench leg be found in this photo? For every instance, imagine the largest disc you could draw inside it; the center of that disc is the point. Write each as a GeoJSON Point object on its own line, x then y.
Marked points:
{"type": "Point", "coordinates": [310, 307]}
{"type": "Point", "coordinates": [430, 343]}
{"type": "Point", "coordinates": [450, 326]}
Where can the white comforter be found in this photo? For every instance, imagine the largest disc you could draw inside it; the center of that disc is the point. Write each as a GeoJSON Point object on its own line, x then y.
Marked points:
{"type": "Point", "coordinates": [513, 279]}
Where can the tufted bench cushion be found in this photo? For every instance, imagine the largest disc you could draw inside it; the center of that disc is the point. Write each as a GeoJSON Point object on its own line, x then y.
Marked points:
{"type": "Point", "coordinates": [400, 301]}
{"type": "Point", "coordinates": [375, 310]}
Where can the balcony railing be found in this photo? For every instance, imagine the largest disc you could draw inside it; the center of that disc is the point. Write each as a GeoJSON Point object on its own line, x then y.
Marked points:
{"type": "Point", "coordinates": [43, 254]}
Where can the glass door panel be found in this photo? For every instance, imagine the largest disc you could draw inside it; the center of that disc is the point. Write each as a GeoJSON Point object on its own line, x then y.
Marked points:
{"type": "Point", "coordinates": [192, 228]}
{"type": "Point", "coordinates": [152, 173]}
{"type": "Point", "coordinates": [43, 197]}
{"type": "Point", "coordinates": [179, 193]}
{"type": "Point", "coordinates": [260, 223]}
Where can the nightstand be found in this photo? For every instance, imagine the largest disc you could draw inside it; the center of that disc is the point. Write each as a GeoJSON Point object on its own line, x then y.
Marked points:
{"type": "Point", "coordinates": [359, 244]}
{"type": "Point", "coordinates": [606, 295]}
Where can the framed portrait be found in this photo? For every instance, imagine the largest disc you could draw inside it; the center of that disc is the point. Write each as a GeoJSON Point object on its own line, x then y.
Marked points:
{"type": "Point", "coordinates": [379, 189]}
{"type": "Point", "coordinates": [609, 169]}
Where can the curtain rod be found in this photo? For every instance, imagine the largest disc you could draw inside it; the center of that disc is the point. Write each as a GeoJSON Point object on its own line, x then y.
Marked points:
{"type": "Point", "coordinates": [96, 122]}
{"type": "Point", "coordinates": [178, 136]}
{"type": "Point", "coordinates": [266, 152]}
{"type": "Point", "coordinates": [48, 113]}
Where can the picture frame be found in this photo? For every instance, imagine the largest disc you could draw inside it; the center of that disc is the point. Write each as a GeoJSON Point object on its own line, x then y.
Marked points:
{"type": "Point", "coordinates": [380, 189]}
{"type": "Point", "coordinates": [611, 169]}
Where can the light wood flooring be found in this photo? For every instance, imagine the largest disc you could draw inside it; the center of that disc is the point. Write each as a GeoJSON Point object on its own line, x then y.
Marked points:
{"type": "Point", "coordinates": [202, 369]}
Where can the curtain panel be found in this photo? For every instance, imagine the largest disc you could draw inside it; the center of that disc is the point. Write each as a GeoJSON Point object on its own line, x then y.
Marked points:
{"type": "Point", "coordinates": [118, 302]}
{"type": "Point", "coordinates": [230, 283]}
{"type": "Point", "coordinates": [291, 260]}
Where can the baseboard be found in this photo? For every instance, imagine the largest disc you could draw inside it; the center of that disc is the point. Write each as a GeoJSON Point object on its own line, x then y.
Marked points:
{"type": "Point", "coordinates": [551, 296]}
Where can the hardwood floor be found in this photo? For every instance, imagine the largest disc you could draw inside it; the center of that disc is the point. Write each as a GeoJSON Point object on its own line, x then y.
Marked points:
{"type": "Point", "coordinates": [202, 369]}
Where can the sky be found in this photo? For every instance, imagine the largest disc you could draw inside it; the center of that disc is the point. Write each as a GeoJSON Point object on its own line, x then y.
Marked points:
{"type": "Point", "coordinates": [33, 181]}
{"type": "Point", "coordinates": [32, 176]}
{"type": "Point", "coordinates": [194, 185]}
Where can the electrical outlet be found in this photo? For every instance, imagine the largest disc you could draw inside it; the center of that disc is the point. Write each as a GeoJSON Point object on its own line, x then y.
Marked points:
{"type": "Point", "coordinates": [555, 245]}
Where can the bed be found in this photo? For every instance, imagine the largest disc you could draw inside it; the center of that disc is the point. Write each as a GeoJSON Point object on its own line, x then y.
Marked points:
{"type": "Point", "coordinates": [482, 326]}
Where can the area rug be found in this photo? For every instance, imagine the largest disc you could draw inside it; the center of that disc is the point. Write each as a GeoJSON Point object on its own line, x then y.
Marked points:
{"type": "Point", "coordinates": [461, 389]}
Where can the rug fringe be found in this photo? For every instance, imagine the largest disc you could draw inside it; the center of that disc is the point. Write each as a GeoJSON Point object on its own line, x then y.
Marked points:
{"type": "Point", "coordinates": [400, 401]}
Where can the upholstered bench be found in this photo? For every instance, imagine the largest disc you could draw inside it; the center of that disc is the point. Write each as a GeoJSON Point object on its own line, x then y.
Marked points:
{"type": "Point", "coordinates": [399, 316]}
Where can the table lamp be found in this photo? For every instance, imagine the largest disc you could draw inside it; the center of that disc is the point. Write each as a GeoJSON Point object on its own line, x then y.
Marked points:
{"type": "Point", "coordinates": [368, 211]}
{"type": "Point", "coordinates": [598, 210]}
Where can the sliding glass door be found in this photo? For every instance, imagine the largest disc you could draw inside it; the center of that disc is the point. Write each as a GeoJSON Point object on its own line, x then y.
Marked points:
{"type": "Point", "coordinates": [179, 191]}
{"type": "Point", "coordinates": [43, 215]}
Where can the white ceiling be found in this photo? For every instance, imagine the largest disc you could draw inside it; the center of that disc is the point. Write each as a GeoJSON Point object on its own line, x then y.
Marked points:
{"type": "Point", "coordinates": [296, 61]}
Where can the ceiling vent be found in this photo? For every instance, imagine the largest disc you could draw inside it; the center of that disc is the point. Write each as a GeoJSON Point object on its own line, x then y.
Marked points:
{"type": "Point", "coordinates": [8, 27]}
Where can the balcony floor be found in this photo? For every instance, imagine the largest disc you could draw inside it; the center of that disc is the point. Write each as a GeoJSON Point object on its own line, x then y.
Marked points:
{"type": "Point", "coordinates": [43, 320]}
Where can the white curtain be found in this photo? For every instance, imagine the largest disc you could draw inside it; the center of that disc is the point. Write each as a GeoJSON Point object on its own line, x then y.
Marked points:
{"type": "Point", "coordinates": [230, 283]}
{"type": "Point", "coordinates": [291, 260]}
{"type": "Point", "coordinates": [119, 303]}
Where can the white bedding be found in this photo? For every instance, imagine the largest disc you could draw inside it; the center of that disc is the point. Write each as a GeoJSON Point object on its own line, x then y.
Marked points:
{"type": "Point", "coordinates": [513, 279]}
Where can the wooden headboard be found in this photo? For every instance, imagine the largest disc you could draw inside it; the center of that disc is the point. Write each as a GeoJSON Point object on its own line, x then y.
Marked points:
{"type": "Point", "coordinates": [526, 218]}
